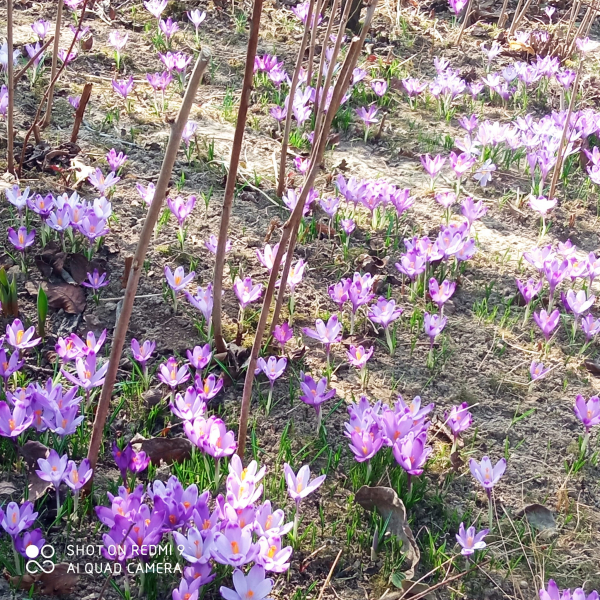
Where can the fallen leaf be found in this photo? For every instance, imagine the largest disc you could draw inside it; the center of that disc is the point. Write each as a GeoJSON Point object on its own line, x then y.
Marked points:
{"type": "Point", "coordinates": [78, 266]}
{"type": "Point", "coordinates": [7, 488]}
{"type": "Point", "coordinates": [539, 517]}
{"type": "Point", "coordinates": [71, 298]}
{"type": "Point", "coordinates": [412, 588]}
{"type": "Point", "coordinates": [167, 450]}
{"type": "Point", "coordinates": [126, 271]}
{"type": "Point", "coordinates": [456, 461]}
{"type": "Point", "coordinates": [592, 366]}
{"type": "Point", "coordinates": [152, 397]}
{"type": "Point", "coordinates": [386, 501]}
{"type": "Point", "coordinates": [58, 583]}
{"type": "Point", "coordinates": [31, 451]}
{"type": "Point", "coordinates": [87, 43]}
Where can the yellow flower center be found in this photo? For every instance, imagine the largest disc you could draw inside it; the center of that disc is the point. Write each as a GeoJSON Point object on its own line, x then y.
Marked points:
{"type": "Point", "coordinates": [235, 547]}
{"type": "Point", "coordinates": [20, 335]}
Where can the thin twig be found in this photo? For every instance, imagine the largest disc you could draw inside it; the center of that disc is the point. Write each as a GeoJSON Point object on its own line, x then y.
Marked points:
{"type": "Point", "coordinates": [35, 123]}
{"type": "Point", "coordinates": [10, 129]}
{"type": "Point", "coordinates": [319, 146]}
{"type": "Point", "coordinates": [330, 575]}
{"type": "Point", "coordinates": [32, 60]}
{"type": "Point", "coordinates": [53, 78]}
{"type": "Point", "coordinates": [236, 149]}
{"type": "Point", "coordinates": [559, 152]}
{"type": "Point", "coordinates": [85, 96]}
{"type": "Point", "coordinates": [465, 22]}
{"type": "Point", "coordinates": [292, 92]}
{"type": "Point", "coordinates": [140, 254]}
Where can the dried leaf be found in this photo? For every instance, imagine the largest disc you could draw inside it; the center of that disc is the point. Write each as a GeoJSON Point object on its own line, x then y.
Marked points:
{"type": "Point", "coordinates": [87, 43]}
{"type": "Point", "coordinates": [592, 366]}
{"type": "Point", "coordinates": [167, 450]}
{"type": "Point", "coordinates": [58, 583]}
{"type": "Point", "coordinates": [70, 298]}
{"type": "Point", "coordinates": [126, 271]}
{"type": "Point", "coordinates": [31, 451]}
{"type": "Point", "coordinates": [386, 501]}
{"type": "Point", "coordinates": [412, 588]}
{"type": "Point", "coordinates": [539, 517]}
{"type": "Point", "coordinates": [78, 266]}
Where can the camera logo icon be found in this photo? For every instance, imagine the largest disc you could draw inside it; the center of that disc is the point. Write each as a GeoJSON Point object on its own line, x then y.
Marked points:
{"type": "Point", "coordinates": [33, 552]}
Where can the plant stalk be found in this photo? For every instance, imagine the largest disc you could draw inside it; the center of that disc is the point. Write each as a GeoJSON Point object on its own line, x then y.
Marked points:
{"type": "Point", "coordinates": [138, 262]}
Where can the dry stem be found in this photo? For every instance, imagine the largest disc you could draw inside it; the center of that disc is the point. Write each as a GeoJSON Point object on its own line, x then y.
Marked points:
{"type": "Point", "coordinates": [10, 130]}
{"type": "Point", "coordinates": [48, 117]}
{"type": "Point", "coordinates": [140, 254]}
{"type": "Point", "coordinates": [232, 175]}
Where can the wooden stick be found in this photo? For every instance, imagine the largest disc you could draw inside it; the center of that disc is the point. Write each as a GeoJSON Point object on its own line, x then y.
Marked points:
{"type": "Point", "coordinates": [32, 60]}
{"type": "Point", "coordinates": [36, 124]}
{"type": "Point", "coordinates": [316, 157]}
{"type": "Point", "coordinates": [48, 117]}
{"type": "Point", "coordinates": [85, 96]}
{"type": "Point", "coordinates": [318, 124]}
{"type": "Point", "coordinates": [559, 152]}
{"type": "Point", "coordinates": [288, 117]}
{"type": "Point", "coordinates": [517, 10]}
{"type": "Point", "coordinates": [333, 566]}
{"type": "Point", "coordinates": [519, 17]}
{"type": "Point", "coordinates": [465, 22]}
{"type": "Point", "coordinates": [579, 33]}
{"type": "Point", "coordinates": [234, 162]}
{"type": "Point", "coordinates": [503, 16]}
{"type": "Point", "coordinates": [138, 262]}
{"type": "Point", "coordinates": [313, 41]}
{"type": "Point", "coordinates": [10, 129]}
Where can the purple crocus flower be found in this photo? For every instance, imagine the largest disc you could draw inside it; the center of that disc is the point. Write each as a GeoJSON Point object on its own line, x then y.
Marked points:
{"type": "Point", "coordinates": [470, 540]}
{"type": "Point", "coordinates": [246, 292]}
{"type": "Point", "coordinates": [95, 280]}
{"type": "Point", "coordinates": [433, 166]}
{"type": "Point", "coordinates": [20, 338]}
{"type": "Point", "coordinates": [441, 294]}
{"type": "Point", "coordinates": [254, 585]}
{"type": "Point", "coordinates": [138, 462]}
{"type": "Point", "coordinates": [459, 419]}
{"type": "Point", "coordinates": [348, 226]}
{"type": "Point", "coordinates": [196, 17]}
{"type": "Point", "coordinates": [433, 326]}
{"type": "Point", "coordinates": [385, 312]}
{"type": "Point", "coordinates": [272, 556]}
{"type": "Point", "coordinates": [411, 452]}
{"type": "Point", "coordinates": [314, 393]}
{"type": "Point", "coordinates": [587, 412]}
{"type": "Point", "coordinates": [364, 445]}
{"type": "Point", "coordinates": [300, 486]}
{"type": "Point", "coordinates": [188, 132]}
{"type": "Point", "coordinates": [200, 356]}
{"type": "Point", "coordinates": [101, 183]}
{"type": "Point", "coordinates": [212, 242]}
{"type": "Point", "coordinates": [537, 371]}
{"type": "Point", "coordinates": [178, 280]}
{"type": "Point", "coordinates": [326, 334]}
{"type": "Point", "coordinates": [168, 27]}
{"type": "Point", "coordinates": [379, 86]}
{"type": "Point", "coordinates": [233, 546]}
{"type": "Point", "coordinates": [547, 322]}
{"type": "Point", "coordinates": [173, 375]}
{"type": "Point", "coordinates": [30, 538]}
{"type": "Point", "coordinates": [159, 81]}
{"type": "Point", "coordinates": [196, 548]}
{"type": "Point", "coordinates": [142, 353]}
{"type": "Point", "coordinates": [283, 333]}
{"type": "Point", "coordinates": [486, 473]}
{"type": "Point", "coordinates": [472, 211]}
{"type": "Point", "coordinates": [122, 458]}
{"type": "Point", "coordinates": [529, 290]}
{"type": "Point", "coordinates": [76, 477]}
{"type": "Point", "coordinates": [156, 7]}
{"type": "Point", "coordinates": [590, 327]}
{"type": "Point", "coordinates": [17, 518]}
{"type": "Point", "coordinates": [123, 87]}
{"type": "Point", "coordinates": [21, 239]}
{"type": "Point", "coordinates": [358, 356]}
{"type": "Point", "coordinates": [368, 117]}
{"type": "Point", "coordinates": [273, 367]}
{"type": "Point", "coordinates": [87, 375]}
{"type": "Point", "coordinates": [115, 161]}
{"type": "Point", "coordinates": [330, 205]}
{"type": "Point", "coordinates": [203, 300]}
{"type": "Point", "coordinates": [180, 208]}
{"type": "Point", "coordinates": [52, 469]}
{"type": "Point", "coordinates": [40, 28]}
{"type": "Point", "coordinates": [15, 423]}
